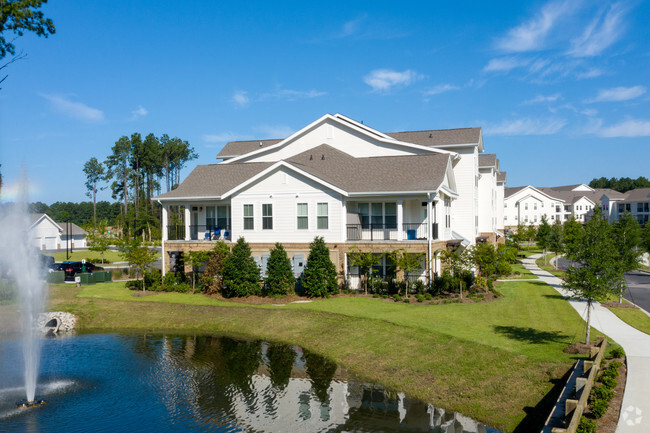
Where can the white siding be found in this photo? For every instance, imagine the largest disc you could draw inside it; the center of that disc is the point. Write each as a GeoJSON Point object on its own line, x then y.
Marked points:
{"type": "Point", "coordinates": [283, 190]}
{"type": "Point", "coordinates": [344, 139]}
{"type": "Point", "coordinates": [464, 209]}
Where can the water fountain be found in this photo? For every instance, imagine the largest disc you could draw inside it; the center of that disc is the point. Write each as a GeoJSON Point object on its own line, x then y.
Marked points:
{"type": "Point", "coordinates": [20, 263]}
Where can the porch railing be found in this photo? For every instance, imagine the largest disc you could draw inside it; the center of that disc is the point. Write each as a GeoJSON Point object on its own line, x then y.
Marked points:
{"type": "Point", "coordinates": [389, 232]}
{"type": "Point", "coordinates": [198, 233]}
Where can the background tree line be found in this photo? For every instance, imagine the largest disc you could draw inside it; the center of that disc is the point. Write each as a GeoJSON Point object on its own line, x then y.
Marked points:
{"type": "Point", "coordinates": [138, 169]}
{"type": "Point", "coordinates": [79, 213]}
{"type": "Point", "coordinates": [623, 184]}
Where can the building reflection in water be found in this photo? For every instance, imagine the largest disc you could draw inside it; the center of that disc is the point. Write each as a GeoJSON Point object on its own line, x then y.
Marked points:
{"type": "Point", "coordinates": [267, 387]}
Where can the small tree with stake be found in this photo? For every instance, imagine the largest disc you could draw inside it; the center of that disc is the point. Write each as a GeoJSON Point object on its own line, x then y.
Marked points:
{"type": "Point", "coordinates": [597, 274]}
{"type": "Point", "coordinates": [197, 259]}
{"type": "Point", "coordinates": [365, 262]}
{"type": "Point", "coordinates": [407, 263]}
{"type": "Point", "coordinates": [139, 256]}
{"type": "Point", "coordinates": [457, 261]}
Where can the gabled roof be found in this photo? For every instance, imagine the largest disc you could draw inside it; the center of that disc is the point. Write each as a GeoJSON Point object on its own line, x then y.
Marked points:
{"type": "Point", "coordinates": [327, 165]}
{"type": "Point", "coordinates": [509, 192]}
{"type": "Point", "coordinates": [36, 218]}
{"type": "Point", "coordinates": [440, 137]}
{"type": "Point", "coordinates": [640, 194]}
{"type": "Point", "coordinates": [501, 176]}
{"type": "Point", "coordinates": [237, 148]}
{"type": "Point", "coordinates": [488, 160]}
{"type": "Point", "coordinates": [74, 229]}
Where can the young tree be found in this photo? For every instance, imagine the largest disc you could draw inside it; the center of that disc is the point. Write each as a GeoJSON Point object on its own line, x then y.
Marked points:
{"type": "Point", "coordinates": [241, 275]}
{"type": "Point", "coordinates": [627, 238]}
{"type": "Point", "coordinates": [597, 274]}
{"type": "Point", "coordinates": [645, 238]}
{"type": "Point", "coordinates": [407, 263]}
{"type": "Point", "coordinates": [212, 278]}
{"type": "Point", "coordinates": [555, 240]}
{"type": "Point", "coordinates": [99, 241]}
{"type": "Point", "coordinates": [457, 262]}
{"type": "Point", "coordinates": [506, 256]}
{"type": "Point", "coordinates": [280, 280]}
{"type": "Point", "coordinates": [573, 233]}
{"type": "Point", "coordinates": [139, 256]}
{"type": "Point", "coordinates": [196, 259]}
{"type": "Point", "coordinates": [365, 262]}
{"type": "Point", "coordinates": [542, 235]}
{"type": "Point", "coordinates": [319, 277]}
{"type": "Point", "coordinates": [94, 171]}
{"type": "Point", "coordinates": [484, 256]}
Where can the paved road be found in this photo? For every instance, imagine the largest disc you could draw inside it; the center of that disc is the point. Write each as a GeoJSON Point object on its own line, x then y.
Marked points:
{"type": "Point", "coordinates": [638, 286]}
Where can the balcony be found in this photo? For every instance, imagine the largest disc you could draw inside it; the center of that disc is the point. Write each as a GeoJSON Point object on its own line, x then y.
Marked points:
{"type": "Point", "coordinates": [389, 232]}
{"type": "Point", "coordinates": [198, 233]}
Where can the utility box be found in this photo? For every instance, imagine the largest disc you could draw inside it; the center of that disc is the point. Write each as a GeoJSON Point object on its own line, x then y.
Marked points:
{"type": "Point", "coordinates": [56, 277]}
{"type": "Point", "coordinates": [85, 278]}
{"type": "Point", "coordinates": [298, 263]}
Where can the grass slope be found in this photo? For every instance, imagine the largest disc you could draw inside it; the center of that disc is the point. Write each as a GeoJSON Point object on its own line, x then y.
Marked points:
{"type": "Point", "coordinates": [493, 361]}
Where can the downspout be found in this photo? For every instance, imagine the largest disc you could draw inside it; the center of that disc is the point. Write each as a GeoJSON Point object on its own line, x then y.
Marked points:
{"type": "Point", "coordinates": [162, 245]}
{"type": "Point", "coordinates": [429, 236]}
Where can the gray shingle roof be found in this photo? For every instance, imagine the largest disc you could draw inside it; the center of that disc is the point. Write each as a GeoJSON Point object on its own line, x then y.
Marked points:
{"type": "Point", "coordinates": [487, 160]}
{"type": "Point", "coordinates": [640, 194]}
{"type": "Point", "coordinates": [501, 176]}
{"type": "Point", "coordinates": [374, 174]}
{"type": "Point", "coordinates": [236, 148]}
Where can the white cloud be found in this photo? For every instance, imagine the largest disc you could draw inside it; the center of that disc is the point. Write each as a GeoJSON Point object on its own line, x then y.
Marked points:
{"type": "Point", "coordinates": [531, 35]}
{"type": "Point", "coordinates": [505, 64]}
{"type": "Point", "coordinates": [618, 94]}
{"type": "Point", "coordinates": [77, 110]}
{"type": "Point", "coordinates": [223, 137]}
{"type": "Point", "coordinates": [628, 128]}
{"type": "Point", "coordinates": [604, 30]}
{"type": "Point", "coordinates": [353, 26]}
{"type": "Point", "coordinates": [291, 95]}
{"type": "Point", "coordinates": [441, 88]}
{"type": "Point", "coordinates": [527, 127]}
{"type": "Point", "coordinates": [590, 73]}
{"type": "Point", "coordinates": [240, 98]}
{"type": "Point", "coordinates": [385, 79]}
{"type": "Point", "coordinates": [541, 98]}
{"type": "Point", "coordinates": [139, 112]}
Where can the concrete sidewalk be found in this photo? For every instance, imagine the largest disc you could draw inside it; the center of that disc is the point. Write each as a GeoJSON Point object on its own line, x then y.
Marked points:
{"type": "Point", "coordinates": [635, 410]}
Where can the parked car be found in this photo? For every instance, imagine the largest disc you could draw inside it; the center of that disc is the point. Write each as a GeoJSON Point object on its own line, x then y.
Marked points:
{"type": "Point", "coordinates": [72, 268]}
{"type": "Point", "coordinates": [55, 267]}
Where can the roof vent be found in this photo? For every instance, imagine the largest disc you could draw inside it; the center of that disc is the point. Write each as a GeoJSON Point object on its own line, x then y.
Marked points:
{"type": "Point", "coordinates": [311, 157]}
{"type": "Point", "coordinates": [322, 158]}
{"type": "Point", "coordinates": [260, 144]}
{"type": "Point", "coordinates": [430, 135]}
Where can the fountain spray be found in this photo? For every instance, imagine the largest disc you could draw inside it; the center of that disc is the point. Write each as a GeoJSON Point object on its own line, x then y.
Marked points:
{"type": "Point", "coordinates": [20, 263]}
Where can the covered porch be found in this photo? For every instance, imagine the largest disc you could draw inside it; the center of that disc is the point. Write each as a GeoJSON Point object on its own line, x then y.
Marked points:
{"type": "Point", "coordinates": [197, 222]}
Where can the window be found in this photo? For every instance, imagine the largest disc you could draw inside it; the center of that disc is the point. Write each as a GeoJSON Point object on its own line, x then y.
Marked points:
{"type": "Point", "coordinates": [364, 211]}
{"type": "Point", "coordinates": [210, 220]}
{"type": "Point", "coordinates": [535, 206]}
{"type": "Point", "coordinates": [505, 217]}
{"type": "Point", "coordinates": [376, 211]}
{"type": "Point", "coordinates": [248, 217]}
{"type": "Point", "coordinates": [303, 216]}
{"type": "Point", "coordinates": [505, 204]}
{"type": "Point", "coordinates": [447, 212]}
{"type": "Point", "coordinates": [322, 216]}
{"type": "Point", "coordinates": [628, 207]}
{"type": "Point", "coordinates": [535, 218]}
{"type": "Point", "coordinates": [390, 215]}
{"type": "Point", "coordinates": [639, 207]}
{"type": "Point", "coordinates": [267, 216]}
{"type": "Point", "coordinates": [223, 219]}
{"type": "Point", "coordinates": [526, 206]}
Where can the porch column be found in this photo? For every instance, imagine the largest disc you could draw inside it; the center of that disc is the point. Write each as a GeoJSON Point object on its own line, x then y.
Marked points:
{"type": "Point", "coordinates": [429, 236]}
{"type": "Point", "coordinates": [187, 222]}
{"type": "Point", "coordinates": [344, 220]}
{"type": "Point", "coordinates": [165, 233]}
{"type": "Point", "coordinates": [400, 220]}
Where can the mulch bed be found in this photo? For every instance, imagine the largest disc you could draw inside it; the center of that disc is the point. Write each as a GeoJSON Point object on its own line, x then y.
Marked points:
{"type": "Point", "coordinates": [619, 305]}
{"type": "Point", "coordinates": [579, 348]}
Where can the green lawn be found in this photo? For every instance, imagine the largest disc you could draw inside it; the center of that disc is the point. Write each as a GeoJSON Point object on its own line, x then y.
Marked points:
{"type": "Point", "coordinates": [491, 361]}
{"type": "Point", "coordinates": [520, 273]}
{"type": "Point", "coordinates": [633, 317]}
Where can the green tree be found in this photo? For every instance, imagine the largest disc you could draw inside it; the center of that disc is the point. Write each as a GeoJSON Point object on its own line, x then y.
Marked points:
{"type": "Point", "coordinates": [241, 275]}
{"type": "Point", "coordinates": [542, 235]}
{"type": "Point", "coordinates": [627, 238]}
{"type": "Point", "coordinates": [364, 261]}
{"type": "Point", "coordinates": [99, 240]}
{"type": "Point", "coordinates": [506, 256]}
{"type": "Point", "coordinates": [18, 17]}
{"type": "Point", "coordinates": [139, 256]}
{"type": "Point", "coordinates": [597, 274]}
{"type": "Point", "coordinates": [280, 280]}
{"type": "Point", "coordinates": [407, 263]}
{"type": "Point", "coordinates": [645, 238]}
{"type": "Point", "coordinates": [212, 278]}
{"type": "Point", "coordinates": [457, 262]}
{"type": "Point", "coordinates": [555, 241]}
{"type": "Point", "coordinates": [319, 277]}
{"type": "Point", "coordinates": [94, 171]}
{"type": "Point", "coordinates": [573, 233]}
{"type": "Point", "coordinates": [197, 259]}
{"type": "Point", "coordinates": [119, 170]}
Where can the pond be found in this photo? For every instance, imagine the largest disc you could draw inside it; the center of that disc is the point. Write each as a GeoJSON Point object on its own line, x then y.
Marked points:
{"type": "Point", "coordinates": [142, 383]}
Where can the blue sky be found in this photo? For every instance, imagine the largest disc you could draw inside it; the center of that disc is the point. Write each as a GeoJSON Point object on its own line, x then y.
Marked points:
{"type": "Point", "coordinates": [560, 88]}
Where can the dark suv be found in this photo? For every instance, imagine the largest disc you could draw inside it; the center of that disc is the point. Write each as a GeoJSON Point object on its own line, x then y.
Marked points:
{"type": "Point", "coordinates": [72, 268]}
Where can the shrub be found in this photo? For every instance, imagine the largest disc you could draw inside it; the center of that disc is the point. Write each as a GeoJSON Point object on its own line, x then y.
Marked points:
{"type": "Point", "coordinates": [7, 292]}
{"type": "Point", "coordinates": [599, 407]}
{"type": "Point", "coordinates": [407, 301]}
{"type": "Point", "coordinates": [614, 365]}
{"type": "Point", "coordinates": [397, 297]}
{"type": "Point", "coordinates": [617, 352]}
{"type": "Point", "coordinates": [212, 277]}
{"type": "Point", "coordinates": [608, 372]}
{"type": "Point", "coordinates": [602, 393]}
{"type": "Point", "coordinates": [428, 296]}
{"type": "Point", "coordinates": [375, 295]}
{"type": "Point", "coordinates": [175, 282]}
{"type": "Point", "coordinates": [153, 279]}
{"type": "Point", "coordinates": [241, 275]}
{"type": "Point", "coordinates": [280, 280]}
{"type": "Point", "coordinates": [609, 382]}
{"type": "Point", "coordinates": [419, 298]}
{"type": "Point", "coordinates": [586, 426]}
{"type": "Point", "coordinates": [480, 282]}
{"type": "Point", "coordinates": [418, 287]}
{"type": "Point", "coordinates": [319, 277]}
{"type": "Point", "coordinates": [377, 285]}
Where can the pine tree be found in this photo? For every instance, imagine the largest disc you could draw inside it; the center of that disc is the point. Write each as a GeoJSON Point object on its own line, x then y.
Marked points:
{"type": "Point", "coordinates": [241, 275]}
{"type": "Point", "coordinates": [319, 277]}
{"type": "Point", "coordinates": [280, 280]}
